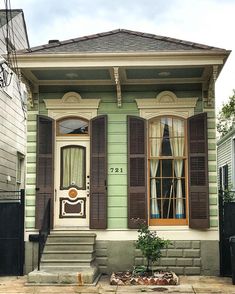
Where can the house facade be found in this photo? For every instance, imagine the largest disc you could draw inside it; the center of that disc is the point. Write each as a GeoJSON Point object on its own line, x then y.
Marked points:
{"type": "Point", "coordinates": [121, 132]}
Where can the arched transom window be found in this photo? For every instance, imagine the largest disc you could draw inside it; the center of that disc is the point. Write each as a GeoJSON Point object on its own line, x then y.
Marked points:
{"type": "Point", "coordinates": [72, 126]}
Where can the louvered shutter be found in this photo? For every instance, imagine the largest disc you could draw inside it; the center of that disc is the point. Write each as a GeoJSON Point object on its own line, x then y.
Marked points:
{"type": "Point", "coordinates": [98, 174]}
{"type": "Point", "coordinates": [137, 175]}
{"type": "Point", "coordinates": [198, 172]}
{"type": "Point", "coordinates": [44, 169]}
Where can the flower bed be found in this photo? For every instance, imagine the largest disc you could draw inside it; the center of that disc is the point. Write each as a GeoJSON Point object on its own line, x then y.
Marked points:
{"type": "Point", "coordinates": [158, 278]}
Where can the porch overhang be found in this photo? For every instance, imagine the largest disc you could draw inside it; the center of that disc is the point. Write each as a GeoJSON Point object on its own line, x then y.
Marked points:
{"type": "Point", "coordinates": [116, 71]}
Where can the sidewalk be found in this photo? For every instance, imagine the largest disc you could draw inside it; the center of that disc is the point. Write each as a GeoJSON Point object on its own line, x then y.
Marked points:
{"type": "Point", "coordinates": [189, 284]}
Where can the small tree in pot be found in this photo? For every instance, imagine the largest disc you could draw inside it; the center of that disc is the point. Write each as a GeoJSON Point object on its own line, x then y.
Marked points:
{"type": "Point", "coordinates": [150, 245]}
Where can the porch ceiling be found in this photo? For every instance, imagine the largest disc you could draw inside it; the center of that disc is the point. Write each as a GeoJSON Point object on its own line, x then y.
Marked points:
{"type": "Point", "coordinates": [127, 75]}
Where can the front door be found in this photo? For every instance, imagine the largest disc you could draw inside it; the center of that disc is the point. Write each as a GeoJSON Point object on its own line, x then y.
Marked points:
{"type": "Point", "coordinates": [72, 167]}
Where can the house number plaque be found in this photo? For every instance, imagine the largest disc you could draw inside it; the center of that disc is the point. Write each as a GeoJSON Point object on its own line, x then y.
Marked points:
{"type": "Point", "coordinates": [116, 170]}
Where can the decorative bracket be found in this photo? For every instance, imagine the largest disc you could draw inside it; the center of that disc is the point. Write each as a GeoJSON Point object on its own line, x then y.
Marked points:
{"type": "Point", "coordinates": [29, 91]}
{"type": "Point", "coordinates": [118, 86]}
{"type": "Point", "coordinates": [211, 88]}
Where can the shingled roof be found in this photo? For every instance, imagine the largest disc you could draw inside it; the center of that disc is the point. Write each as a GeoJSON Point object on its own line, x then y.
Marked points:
{"type": "Point", "coordinates": [119, 41]}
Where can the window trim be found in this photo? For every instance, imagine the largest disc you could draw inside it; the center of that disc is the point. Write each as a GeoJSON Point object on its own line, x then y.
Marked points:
{"type": "Point", "coordinates": [20, 163]}
{"type": "Point", "coordinates": [58, 134]}
{"type": "Point", "coordinates": [172, 221]}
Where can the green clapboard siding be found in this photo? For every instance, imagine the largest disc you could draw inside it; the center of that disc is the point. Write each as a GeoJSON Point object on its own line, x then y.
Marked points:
{"type": "Point", "coordinates": [117, 223]}
{"type": "Point", "coordinates": [117, 158]}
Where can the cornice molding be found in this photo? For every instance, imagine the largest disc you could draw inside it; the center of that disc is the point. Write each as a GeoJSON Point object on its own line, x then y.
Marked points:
{"type": "Point", "coordinates": [72, 104]}
{"type": "Point", "coordinates": [166, 103]}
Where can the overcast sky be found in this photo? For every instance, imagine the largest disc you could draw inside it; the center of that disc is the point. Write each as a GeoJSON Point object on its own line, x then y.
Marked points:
{"type": "Point", "coordinates": [209, 22]}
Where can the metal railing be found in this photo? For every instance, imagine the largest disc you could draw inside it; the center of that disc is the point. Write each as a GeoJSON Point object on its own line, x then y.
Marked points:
{"type": "Point", "coordinates": [227, 195]}
{"type": "Point", "coordinates": [11, 196]}
{"type": "Point", "coordinates": [44, 231]}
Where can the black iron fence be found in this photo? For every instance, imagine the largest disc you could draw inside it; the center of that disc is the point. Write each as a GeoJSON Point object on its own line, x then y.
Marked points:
{"type": "Point", "coordinates": [227, 229]}
{"type": "Point", "coordinates": [12, 232]}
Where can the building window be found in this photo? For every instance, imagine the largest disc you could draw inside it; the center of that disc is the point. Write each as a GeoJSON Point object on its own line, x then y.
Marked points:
{"type": "Point", "coordinates": [167, 170]}
{"type": "Point", "coordinates": [19, 168]}
{"type": "Point", "coordinates": [72, 126]}
{"type": "Point", "coordinates": [223, 173]}
{"type": "Point", "coordinates": [73, 165]}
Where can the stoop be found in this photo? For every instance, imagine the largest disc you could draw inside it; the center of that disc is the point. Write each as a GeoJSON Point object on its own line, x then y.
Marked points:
{"type": "Point", "coordinates": [68, 258]}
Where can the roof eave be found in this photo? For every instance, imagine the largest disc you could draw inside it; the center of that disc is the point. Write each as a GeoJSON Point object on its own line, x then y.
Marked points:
{"type": "Point", "coordinates": [166, 58]}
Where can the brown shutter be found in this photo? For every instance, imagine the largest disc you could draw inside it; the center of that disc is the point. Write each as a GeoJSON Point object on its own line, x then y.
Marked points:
{"type": "Point", "coordinates": [137, 183]}
{"type": "Point", "coordinates": [198, 172]}
{"type": "Point", "coordinates": [98, 174]}
{"type": "Point", "coordinates": [44, 170]}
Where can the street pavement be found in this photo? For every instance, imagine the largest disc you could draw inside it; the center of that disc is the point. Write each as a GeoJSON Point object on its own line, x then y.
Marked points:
{"type": "Point", "coordinates": [188, 285]}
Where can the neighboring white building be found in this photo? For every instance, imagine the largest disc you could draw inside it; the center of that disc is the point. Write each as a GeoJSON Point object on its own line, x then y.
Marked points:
{"type": "Point", "coordinates": [226, 161]}
{"type": "Point", "coordinates": [13, 36]}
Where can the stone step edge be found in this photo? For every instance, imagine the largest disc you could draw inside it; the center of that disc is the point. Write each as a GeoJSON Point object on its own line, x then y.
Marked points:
{"type": "Point", "coordinates": [71, 243]}
{"type": "Point", "coordinates": [66, 260]}
{"type": "Point", "coordinates": [68, 252]}
{"type": "Point", "coordinates": [67, 234]}
{"type": "Point", "coordinates": [66, 269]}
{"type": "Point", "coordinates": [96, 280]}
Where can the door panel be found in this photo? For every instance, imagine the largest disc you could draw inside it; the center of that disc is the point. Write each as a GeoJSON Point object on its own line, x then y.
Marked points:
{"type": "Point", "coordinates": [72, 168]}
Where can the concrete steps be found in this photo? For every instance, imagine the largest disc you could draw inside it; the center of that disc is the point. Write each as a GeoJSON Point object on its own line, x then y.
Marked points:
{"type": "Point", "coordinates": [67, 256]}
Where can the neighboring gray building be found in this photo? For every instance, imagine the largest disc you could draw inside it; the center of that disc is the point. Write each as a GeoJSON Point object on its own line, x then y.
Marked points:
{"type": "Point", "coordinates": [13, 36]}
{"type": "Point", "coordinates": [13, 32]}
{"type": "Point", "coordinates": [226, 160]}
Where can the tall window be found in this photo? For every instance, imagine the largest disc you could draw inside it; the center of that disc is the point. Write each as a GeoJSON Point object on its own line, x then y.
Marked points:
{"type": "Point", "coordinates": [167, 164]}
{"type": "Point", "coordinates": [73, 169]}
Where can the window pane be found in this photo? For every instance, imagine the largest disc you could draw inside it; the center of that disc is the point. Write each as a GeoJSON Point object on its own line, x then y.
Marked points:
{"type": "Point", "coordinates": [73, 167]}
{"type": "Point", "coordinates": [72, 126]}
{"type": "Point", "coordinates": [166, 146]}
{"type": "Point", "coordinates": [167, 170]}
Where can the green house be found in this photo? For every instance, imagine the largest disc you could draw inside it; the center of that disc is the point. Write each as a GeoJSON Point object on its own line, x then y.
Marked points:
{"type": "Point", "coordinates": [121, 132]}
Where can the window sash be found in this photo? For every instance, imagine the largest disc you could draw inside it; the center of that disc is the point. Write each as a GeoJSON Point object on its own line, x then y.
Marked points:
{"type": "Point", "coordinates": [73, 172]}
{"type": "Point", "coordinates": [176, 139]}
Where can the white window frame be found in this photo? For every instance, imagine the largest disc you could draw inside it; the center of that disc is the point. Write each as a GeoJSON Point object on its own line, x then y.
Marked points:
{"type": "Point", "coordinates": [19, 168]}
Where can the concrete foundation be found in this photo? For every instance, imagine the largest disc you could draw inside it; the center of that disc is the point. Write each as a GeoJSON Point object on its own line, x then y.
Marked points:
{"type": "Point", "coordinates": [182, 257]}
